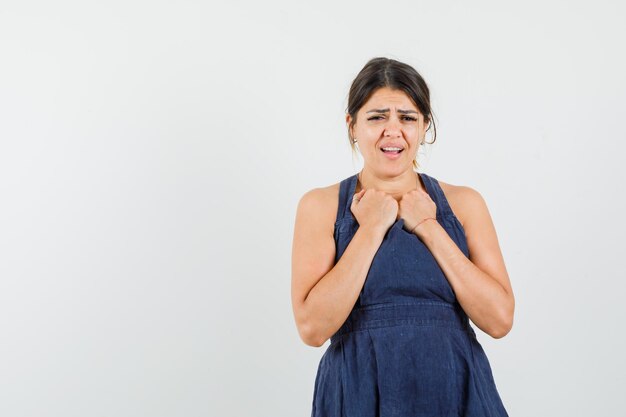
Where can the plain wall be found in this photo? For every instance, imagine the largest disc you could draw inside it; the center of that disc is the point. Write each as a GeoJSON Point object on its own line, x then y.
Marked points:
{"type": "Point", "coordinates": [152, 155]}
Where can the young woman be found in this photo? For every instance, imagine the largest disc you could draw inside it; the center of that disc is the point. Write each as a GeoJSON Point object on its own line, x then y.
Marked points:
{"type": "Point", "coordinates": [391, 264]}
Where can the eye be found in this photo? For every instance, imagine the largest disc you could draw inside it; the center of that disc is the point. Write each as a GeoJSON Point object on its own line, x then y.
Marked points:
{"type": "Point", "coordinates": [409, 118]}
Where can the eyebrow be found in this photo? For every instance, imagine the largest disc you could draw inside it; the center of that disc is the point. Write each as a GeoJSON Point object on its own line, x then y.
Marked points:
{"type": "Point", "coordinates": [386, 110]}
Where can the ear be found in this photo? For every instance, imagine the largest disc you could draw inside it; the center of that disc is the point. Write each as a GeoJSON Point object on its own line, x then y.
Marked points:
{"type": "Point", "coordinates": [348, 121]}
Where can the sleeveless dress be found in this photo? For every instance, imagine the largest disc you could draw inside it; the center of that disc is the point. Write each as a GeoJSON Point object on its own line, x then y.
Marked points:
{"type": "Point", "coordinates": [407, 348]}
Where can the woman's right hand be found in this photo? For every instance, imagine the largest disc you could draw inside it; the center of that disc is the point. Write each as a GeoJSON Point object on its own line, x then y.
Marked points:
{"type": "Point", "coordinates": [374, 209]}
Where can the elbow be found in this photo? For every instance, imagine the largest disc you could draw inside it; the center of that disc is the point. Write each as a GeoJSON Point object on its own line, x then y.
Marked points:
{"type": "Point", "coordinates": [312, 340]}
{"type": "Point", "coordinates": [501, 331]}
{"type": "Point", "coordinates": [308, 328]}
{"type": "Point", "coordinates": [505, 323]}
{"type": "Point", "coordinates": [309, 336]}
{"type": "Point", "coordinates": [315, 343]}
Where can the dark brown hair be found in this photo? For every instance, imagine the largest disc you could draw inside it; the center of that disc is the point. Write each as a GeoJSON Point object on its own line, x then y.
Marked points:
{"type": "Point", "coordinates": [385, 72]}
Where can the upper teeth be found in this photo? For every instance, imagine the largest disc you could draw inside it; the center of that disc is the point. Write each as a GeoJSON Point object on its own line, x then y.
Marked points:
{"type": "Point", "coordinates": [392, 149]}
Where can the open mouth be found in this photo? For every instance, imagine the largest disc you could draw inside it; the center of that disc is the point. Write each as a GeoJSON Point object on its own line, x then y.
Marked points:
{"type": "Point", "coordinates": [392, 150]}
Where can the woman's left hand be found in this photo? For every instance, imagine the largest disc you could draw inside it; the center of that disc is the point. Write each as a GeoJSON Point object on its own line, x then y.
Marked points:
{"type": "Point", "coordinates": [415, 206]}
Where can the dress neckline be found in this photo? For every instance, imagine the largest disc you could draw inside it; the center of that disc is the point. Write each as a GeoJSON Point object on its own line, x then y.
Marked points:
{"type": "Point", "coordinates": [352, 189]}
{"type": "Point", "coordinates": [355, 179]}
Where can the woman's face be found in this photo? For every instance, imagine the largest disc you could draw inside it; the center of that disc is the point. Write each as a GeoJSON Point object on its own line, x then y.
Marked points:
{"type": "Point", "coordinates": [388, 119]}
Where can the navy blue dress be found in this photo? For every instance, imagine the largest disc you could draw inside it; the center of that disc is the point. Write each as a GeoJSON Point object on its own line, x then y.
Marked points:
{"type": "Point", "coordinates": [407, 348]}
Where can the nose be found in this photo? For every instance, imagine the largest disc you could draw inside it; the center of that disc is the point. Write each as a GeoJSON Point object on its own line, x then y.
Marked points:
{"type": "Point", "coordinates": [392, 128]}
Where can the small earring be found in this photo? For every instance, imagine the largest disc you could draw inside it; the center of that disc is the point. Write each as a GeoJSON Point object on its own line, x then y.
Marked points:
{"type": "Point", "coordinates": [354, 140]}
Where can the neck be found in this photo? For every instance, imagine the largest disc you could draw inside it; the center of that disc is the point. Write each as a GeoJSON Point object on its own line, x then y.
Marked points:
{"type": "Point", "coordinates": [396, 186]}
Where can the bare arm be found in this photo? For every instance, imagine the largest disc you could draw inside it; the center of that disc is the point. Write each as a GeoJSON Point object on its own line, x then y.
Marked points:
{"type": "Point", "coordinates": [481, 283]}
{"type": "Point", "coordinates": [323, 294]}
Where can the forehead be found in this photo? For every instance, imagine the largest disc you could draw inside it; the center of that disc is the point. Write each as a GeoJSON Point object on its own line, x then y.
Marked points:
{"type": "Point", "coordinates": [386, 97]}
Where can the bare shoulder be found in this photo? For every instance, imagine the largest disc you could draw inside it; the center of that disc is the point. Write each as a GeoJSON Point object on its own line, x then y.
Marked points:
{"type": "Point", "coordinates": [321, 204]}
{"type": "Point", "coordinates": [463, 200]}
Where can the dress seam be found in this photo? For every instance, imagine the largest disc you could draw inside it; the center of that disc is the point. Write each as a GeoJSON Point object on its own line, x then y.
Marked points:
{"type": "Point", "coordinates": [437, 324]}
{"type": "Point", "coordinates": [378, 396]}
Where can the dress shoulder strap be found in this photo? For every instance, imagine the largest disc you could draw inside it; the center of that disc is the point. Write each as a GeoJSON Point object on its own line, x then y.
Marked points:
{"type": "Point", "coordinates": [346, 189]}
{"type": "Point", "coordinates": [436, 193]}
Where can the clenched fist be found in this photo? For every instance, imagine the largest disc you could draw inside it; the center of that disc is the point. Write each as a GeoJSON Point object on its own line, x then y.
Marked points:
{"type": "Point", "coordinates": [374, 209]}
{"type": "Point", "coordinates": [415, 206]}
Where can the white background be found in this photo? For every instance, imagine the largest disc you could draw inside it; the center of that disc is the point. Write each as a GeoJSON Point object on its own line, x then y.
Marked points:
{"type": "Point", "coordinates": [152, 155]}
